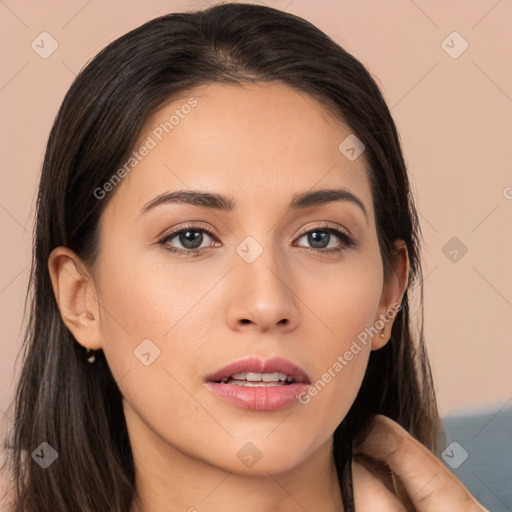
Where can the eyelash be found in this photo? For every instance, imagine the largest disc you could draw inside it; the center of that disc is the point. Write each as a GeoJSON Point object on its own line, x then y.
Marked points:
{"type": "Point", "coordinates": [347, 241]}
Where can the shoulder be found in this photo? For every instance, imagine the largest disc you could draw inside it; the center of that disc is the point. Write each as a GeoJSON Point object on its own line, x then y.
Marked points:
{"type": "Point", "coordinates": [373, 490]}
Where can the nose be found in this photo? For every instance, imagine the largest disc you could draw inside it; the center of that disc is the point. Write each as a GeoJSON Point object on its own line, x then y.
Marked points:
{"type": "Point", "coordinates": [261, 296]}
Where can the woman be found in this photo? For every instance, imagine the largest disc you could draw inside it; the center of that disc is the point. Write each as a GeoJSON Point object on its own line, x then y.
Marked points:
{"type": "Point", "coordinates": [244, 366]}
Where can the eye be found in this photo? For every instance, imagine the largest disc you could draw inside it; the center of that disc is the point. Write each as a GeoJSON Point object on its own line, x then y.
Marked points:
{"type": "Point", "coordinates": [191, 239]}
{"type": "Point", "coordinates": [321, 239]}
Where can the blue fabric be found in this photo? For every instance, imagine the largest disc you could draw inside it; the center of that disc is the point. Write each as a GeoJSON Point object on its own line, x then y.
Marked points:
{"type": "Point", "coordinates": [486, 437]}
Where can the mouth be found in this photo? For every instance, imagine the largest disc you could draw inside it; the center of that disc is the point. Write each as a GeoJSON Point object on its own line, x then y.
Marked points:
{"type": "Point", "coordinates": [253, 379]}
{"type": "Point", "coordinates": [264, 385]}
{"type": "Point", "coordinates": [255, 372]}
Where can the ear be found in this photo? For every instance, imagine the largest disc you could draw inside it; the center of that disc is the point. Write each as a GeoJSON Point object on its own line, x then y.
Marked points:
{"type": "Point", "coordinates": [76, 296]}
{"type": "Point", "coordinates": [393, 291]}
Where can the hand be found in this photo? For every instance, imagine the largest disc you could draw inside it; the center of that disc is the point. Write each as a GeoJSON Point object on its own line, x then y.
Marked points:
{"type": "Point", "coordinates": [421, 480]}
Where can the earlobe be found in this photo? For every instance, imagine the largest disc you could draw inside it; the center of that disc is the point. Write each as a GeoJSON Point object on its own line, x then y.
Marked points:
{"type": "Point", "coordinates": [393, 291]}
{"type": "Point", "coordinates": [383, 336]}
{"type": "Point", "coordinates": [76, 296]}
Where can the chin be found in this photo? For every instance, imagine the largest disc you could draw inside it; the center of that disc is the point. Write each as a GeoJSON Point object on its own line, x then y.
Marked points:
{"type": "Point", "coordinates": [261, 456]}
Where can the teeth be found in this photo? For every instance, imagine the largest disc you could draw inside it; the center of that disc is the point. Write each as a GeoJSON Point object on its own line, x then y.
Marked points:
{"type": "Point", "coordinates": [258, 384]}
{"type": "Point", "coordinates": [259, 377]}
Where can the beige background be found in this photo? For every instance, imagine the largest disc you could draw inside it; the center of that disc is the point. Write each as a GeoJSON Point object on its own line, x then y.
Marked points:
{"type": "Point", "coordinates": [454, 116]}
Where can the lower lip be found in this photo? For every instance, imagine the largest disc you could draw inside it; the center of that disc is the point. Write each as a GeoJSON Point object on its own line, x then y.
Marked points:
{"type": "Point", "coordinates": [269, 398]}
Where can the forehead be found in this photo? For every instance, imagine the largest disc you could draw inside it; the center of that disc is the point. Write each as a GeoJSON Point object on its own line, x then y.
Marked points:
{"type": "Point", "coordinates": [242, 141]}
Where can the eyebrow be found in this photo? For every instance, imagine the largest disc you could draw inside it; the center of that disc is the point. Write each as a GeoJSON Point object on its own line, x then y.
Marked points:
{"type": "Point", "coordinates": [223, 203]}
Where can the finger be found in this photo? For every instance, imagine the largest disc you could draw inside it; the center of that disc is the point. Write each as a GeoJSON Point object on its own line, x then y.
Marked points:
{"type": "Point", "coordinates": [386, 476]}
{"type": "Point", "coordinates": [430, 486]}
{"type": "Point", "coordinates": [371, 494]}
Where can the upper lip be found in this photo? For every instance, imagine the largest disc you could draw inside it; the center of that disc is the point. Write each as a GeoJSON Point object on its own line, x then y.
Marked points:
{"type": "Point", "coordinates": [257, 365]}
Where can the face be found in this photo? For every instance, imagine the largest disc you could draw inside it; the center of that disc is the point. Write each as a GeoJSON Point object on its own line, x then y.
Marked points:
{"type": "Point", "coordinates": [187, 289]}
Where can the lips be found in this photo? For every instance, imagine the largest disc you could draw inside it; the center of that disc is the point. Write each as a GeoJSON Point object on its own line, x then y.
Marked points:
{"type": "Point", "coordinates": [253, 365]}
{"type": "Point", "coordinates": [259, 385]}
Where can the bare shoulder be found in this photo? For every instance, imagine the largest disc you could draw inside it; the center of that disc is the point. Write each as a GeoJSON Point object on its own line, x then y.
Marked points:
{"type": "Point", "coordinates": [372, 491]}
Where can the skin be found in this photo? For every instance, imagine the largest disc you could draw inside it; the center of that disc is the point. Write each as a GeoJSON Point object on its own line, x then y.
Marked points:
{"type": "Point", "coordinates": [259, 145]}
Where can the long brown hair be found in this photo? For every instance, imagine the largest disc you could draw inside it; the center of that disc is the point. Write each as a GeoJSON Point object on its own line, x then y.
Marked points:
{"type": "Point", "coordinates": [76, 407]}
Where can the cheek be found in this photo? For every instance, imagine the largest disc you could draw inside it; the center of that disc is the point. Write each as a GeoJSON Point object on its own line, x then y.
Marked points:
{"type": "Point", "coordinates": [154, 322]}
{"type": "Point", "coordinates": [343, 300]}
{"type": "Point", "coordinates": [137, 305]}
{"type": "Point", "coordinates": [149, 328]}
{"type": "Point", "coordinates": [143, 301]}
{"type": "Point", "coordinates": [345, 306]}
